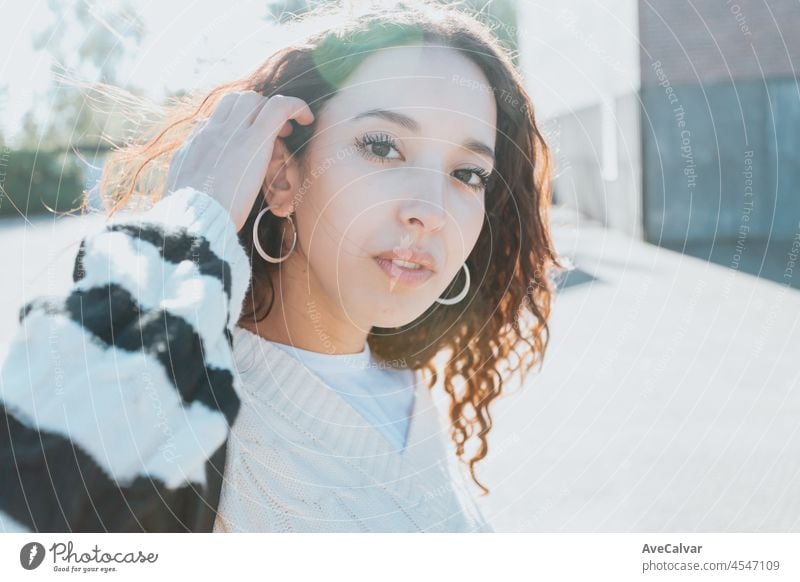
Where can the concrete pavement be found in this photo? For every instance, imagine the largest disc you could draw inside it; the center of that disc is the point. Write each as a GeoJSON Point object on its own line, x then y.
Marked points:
{"type": "Point", "coordinates": [668, 401]}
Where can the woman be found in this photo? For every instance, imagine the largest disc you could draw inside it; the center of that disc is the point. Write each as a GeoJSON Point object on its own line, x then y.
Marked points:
{"type": "Point", "coordinates": [256, 351]}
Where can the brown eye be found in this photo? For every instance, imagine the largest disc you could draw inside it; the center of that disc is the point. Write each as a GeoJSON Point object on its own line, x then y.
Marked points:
{"type": "Point", "coordinates": [483, 178]}
{"type": "Point", "coordinates": [377, 147]}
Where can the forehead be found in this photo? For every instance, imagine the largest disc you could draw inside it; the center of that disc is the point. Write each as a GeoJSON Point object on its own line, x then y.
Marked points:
{"type": "Point", "coordinates": [437, 86]}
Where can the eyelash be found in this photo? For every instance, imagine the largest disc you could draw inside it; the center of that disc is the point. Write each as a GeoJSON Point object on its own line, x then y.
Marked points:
{"type": "Point", "coordinates": [383, 139]}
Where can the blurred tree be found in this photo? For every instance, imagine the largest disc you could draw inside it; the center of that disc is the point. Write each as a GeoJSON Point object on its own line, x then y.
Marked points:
{"type": "Point", "coordinates": [28, 136]}
{"type": "Point", "coordinates": [104, 35]}
{"type": "Point", "coordinates": [87, 41]}
{"type": "Point", "coordinates": [35, 181]}
{"type": "Point", "coordinates": [281, 11]}
{"type": "Point", "coordinates": [3, 96]}
{"type": "Point", "coordinates": [499, 15]}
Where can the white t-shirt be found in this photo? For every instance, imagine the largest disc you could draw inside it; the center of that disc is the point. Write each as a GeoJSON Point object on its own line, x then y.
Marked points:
{"type": "Point", "coordinates": [381, 394]}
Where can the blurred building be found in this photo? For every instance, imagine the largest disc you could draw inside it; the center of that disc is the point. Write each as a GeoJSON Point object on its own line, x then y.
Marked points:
{"type": "Point", "coordinates": [677, 122]}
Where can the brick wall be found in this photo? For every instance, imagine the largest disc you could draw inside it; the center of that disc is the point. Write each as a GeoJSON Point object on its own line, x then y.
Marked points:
{"type": "Point", "coordinates": [714, 40]}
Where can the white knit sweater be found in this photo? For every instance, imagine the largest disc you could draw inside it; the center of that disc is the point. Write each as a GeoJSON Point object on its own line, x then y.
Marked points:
{"type": "Point", "coordinates": [301, 458]}
{"type": "Point", "coordinates": [134, 403]}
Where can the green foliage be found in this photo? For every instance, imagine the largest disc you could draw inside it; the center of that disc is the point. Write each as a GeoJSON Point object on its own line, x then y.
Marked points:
{"type": "Point", "coordinates": [30, 180]}
{"type": "Point", "coordinates": [87, 42]}
{"type": "Point", "coordinates": [499, 15]}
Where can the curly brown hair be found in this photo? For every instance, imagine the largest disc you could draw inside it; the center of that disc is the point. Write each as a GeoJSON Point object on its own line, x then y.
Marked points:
{"type": "Point", "coordinates": [514, 257]}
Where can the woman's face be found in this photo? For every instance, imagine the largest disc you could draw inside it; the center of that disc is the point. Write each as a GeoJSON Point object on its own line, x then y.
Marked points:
{"type": "Point", "coordinates": [395, 182]}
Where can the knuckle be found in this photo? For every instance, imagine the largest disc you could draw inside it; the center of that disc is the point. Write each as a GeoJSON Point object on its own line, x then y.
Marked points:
{"type": "Point", "coordinates": [229, 97]}
{"type": "Point", "coordinates": [235, 96]}
{"type": "Point", "coordinates": [281, 100]}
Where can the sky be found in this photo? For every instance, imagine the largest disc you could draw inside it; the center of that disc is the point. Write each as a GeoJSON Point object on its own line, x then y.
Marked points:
{"type": "Point", "coordinates": [186, 45]}
{"type": "Point", "coordinates": [573, 54]}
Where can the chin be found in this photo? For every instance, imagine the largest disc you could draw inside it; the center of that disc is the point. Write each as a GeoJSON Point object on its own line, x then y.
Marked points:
{"type": "Point", "coordinates": [390, 319]}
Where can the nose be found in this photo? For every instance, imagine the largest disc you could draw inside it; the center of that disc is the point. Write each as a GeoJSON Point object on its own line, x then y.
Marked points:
{"type": "Point", "coordinates": [426, 212]}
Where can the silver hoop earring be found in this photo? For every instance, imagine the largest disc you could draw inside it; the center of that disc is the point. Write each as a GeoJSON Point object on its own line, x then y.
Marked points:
{"type": "Point", "coordinates": [257, 243]}
{"type": "Point", "coordinates": [460, 296]}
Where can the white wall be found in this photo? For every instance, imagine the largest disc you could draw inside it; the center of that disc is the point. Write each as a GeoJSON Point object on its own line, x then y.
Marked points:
{"type": "Point", "coordinates": [575, 53]}
{"type": "Point", "coordinates": [580, 61]}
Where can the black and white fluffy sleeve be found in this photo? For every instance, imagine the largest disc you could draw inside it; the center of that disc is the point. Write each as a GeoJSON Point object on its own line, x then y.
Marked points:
{"type": "Point", "coordinates": [116, 400]}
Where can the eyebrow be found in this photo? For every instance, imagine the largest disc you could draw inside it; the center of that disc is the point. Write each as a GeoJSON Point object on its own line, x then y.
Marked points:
{"type": "Point", "coordinates": [410, 124]}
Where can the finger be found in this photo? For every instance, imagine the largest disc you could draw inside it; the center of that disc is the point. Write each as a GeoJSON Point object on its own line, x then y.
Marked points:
{"type": "Point", "coordinates": [256, 110]}
{"type": "Point", "coordinates": [199, 126]}
{"type": "Point", "coordinates": [246, 108]}
{"type": "Point", "coordinates": [286, 130]}
{"type": "Point", "coordinates": [224, 107]}
{"type": "Point", "coordinates": [281, 108]}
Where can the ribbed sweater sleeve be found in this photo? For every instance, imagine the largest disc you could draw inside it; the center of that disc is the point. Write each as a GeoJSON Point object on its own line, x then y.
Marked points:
{"type": "Point", "coordinates": [117, 398]}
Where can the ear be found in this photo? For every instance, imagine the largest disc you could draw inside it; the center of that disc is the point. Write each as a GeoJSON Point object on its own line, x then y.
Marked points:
{"type": "Point", "coordinates": [282, 180]}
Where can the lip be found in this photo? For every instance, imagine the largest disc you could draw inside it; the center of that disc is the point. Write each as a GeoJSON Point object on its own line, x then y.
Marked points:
{"type": "Point", "coordinates": [411, 255]}
{"type": "Point", "coordinates": [402, 275]}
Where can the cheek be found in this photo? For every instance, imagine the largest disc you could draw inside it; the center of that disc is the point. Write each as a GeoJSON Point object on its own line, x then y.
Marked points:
{"type": "Point", "coordinates": [335, 218]}
{"type": "Point", "coordinates": [344, 198]}
{"type": "Point", "coordinates": [479, 218]}
{"type": "Point", "coordinates": [469, 222]}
